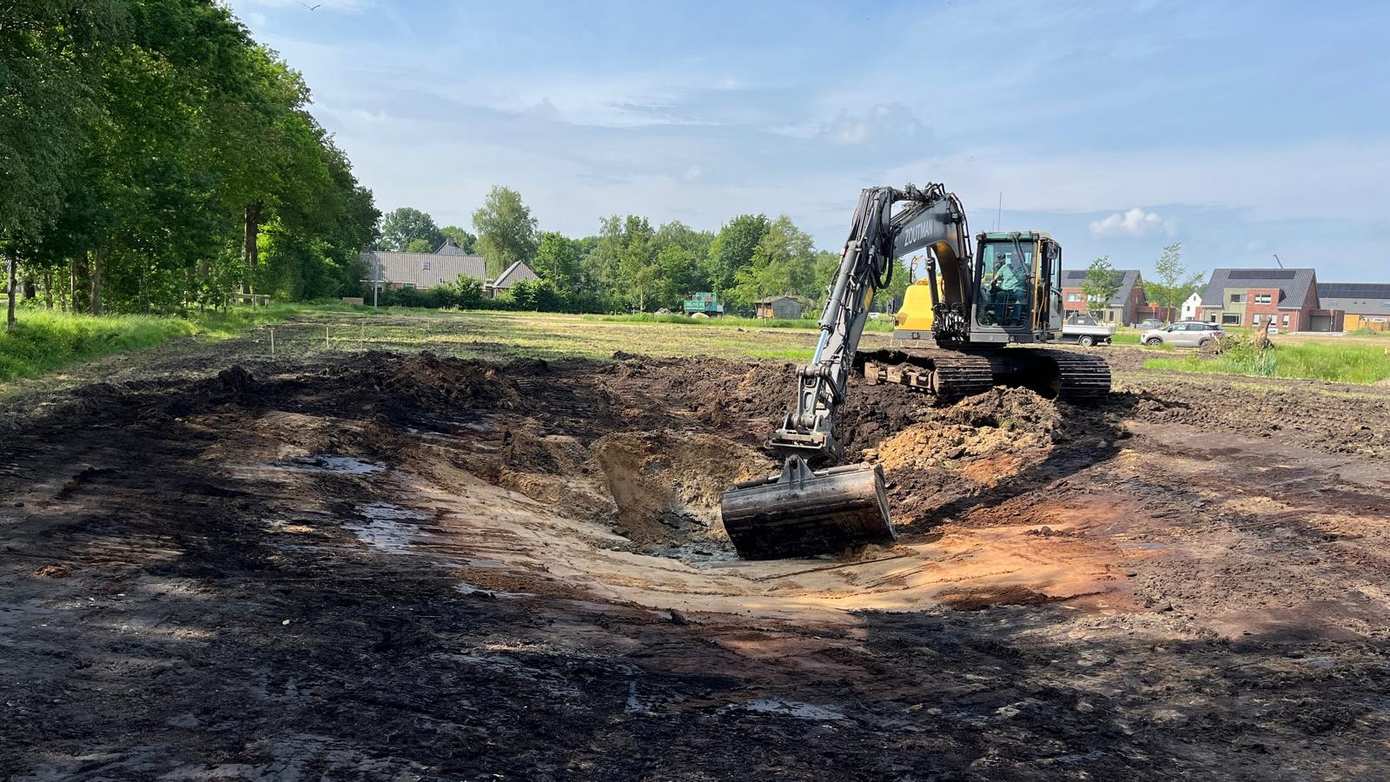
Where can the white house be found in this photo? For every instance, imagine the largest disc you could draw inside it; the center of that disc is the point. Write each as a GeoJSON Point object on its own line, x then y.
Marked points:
{"type": "Point", "coordinates": [1189, 307]}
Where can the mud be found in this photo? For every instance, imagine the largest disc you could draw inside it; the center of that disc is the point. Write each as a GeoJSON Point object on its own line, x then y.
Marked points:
{"type": "Point", "coordinates": [388, 566]}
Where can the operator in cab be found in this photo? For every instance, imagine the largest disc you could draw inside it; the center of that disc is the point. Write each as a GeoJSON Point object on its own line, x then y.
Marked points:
{"type": "Point", "coordinates": [1007, 282]}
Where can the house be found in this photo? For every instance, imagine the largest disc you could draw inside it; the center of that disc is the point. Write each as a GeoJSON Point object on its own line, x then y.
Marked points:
{"type": "Point", "coordinates": [510, 276]}
{"type": "Point", "coordinates": [449, 248]}
{"type": "Point", "coordinates": [1366, 304]}
{"type": "Point", "coordinates": [1127, 307]}
{"type": "Point", "coordinates": [423, 270]}
{"type": "Point", "coordinates": [778, 307]}
{"type": "Point", "coordinates": [444, 266]}
{"type": "Point", "coordinates": [1189, 307]}
{"type": "Point", "coordinates": [1287, 298]}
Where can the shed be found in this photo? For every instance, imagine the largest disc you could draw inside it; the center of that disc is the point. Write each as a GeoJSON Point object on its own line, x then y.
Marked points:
{"type": "Point", "coordinates": [782, 307]}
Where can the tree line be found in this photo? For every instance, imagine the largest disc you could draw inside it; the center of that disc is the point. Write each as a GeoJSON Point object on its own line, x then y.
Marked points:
{"type": "Point", "coordinates": [630, 264]}
{"type": "Point", "coordinates": [156, 157]}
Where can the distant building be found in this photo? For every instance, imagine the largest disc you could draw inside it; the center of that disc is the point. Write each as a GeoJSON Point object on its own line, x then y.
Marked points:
{"type": "Point", "coordinates": [1127, 307]}
{"type": "Point", "coordinates": [780, 307]}
{"type": "Point", "coordinates": [423, 270]}
{"type": "Point", "coordinates": [444, 266]}
{"type": "Point", "coordinates": [1287, 298]}
{"type": "Point", "coordinates": [510, 276]}
{"type": "Point", "coordinates": [1190, 307]}
{"type": "Point", "coordinates": [1366, 304]}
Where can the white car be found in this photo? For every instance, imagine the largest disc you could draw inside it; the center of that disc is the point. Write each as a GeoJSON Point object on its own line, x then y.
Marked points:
{"type": "Point", "coordinates": [1183, 334]}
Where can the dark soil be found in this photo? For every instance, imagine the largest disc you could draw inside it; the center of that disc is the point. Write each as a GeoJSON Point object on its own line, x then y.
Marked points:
{"type": "Point", "coordinates": [202, 579]}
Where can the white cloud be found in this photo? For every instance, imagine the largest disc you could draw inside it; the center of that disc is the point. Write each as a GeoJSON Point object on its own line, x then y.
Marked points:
{"type": "Point", "coordinates": [1135, 222]}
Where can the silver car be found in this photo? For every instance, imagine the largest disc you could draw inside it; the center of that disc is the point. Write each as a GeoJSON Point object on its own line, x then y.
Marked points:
{"type": "Point", "coordinates": [1183, 334]}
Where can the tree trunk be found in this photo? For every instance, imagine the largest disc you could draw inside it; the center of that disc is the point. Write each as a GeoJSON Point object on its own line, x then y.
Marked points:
{"type": "Point", "coordinates": [72, 285]}
{"type": "Point", "coordinates": [9, 317]}
{"type": "Point", "coordinates": [48, 287]}
{"type": "Point", "coordinates": [94, 301]}
{"type": "Point", "coordinates": [250, 249]}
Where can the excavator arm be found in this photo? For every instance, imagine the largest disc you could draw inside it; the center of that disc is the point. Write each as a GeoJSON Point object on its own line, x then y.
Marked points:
{"type": "Point", "coordinates": [801, 511]}
{"type": "Point", "coordinates": [933, 218]}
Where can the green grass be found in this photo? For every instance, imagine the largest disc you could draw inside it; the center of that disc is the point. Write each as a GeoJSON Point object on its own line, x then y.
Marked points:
{"type": "Point", "coordinates": [882, 325]}
{"type": "Point", "coordinates": [1363, 364]}
{"type": "Point", "coordinates": [44, 341]}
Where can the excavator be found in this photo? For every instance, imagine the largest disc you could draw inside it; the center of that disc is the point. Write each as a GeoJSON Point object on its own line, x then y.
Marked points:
{"type": "Point", "coordinates": [952, 338]}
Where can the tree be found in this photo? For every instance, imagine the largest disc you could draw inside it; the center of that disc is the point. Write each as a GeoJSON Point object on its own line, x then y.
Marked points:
{"type": "Point", "coordinates": [732, 249]}
{"type": "Point", "coordinates": [506, 230]}
{"type": "Point", "coordinates": [559, 260]}
{"type": "Point", "coordinates": [465, 240]}
{"type": "Point", "coordinates": [1101, 284]}
{"type": "Point", "coordinates": [685, 268]}
{"type": "Point", "coordinates": [419, 246]}
{"type": "Point", "coordinates": [406, 224]}
{"type": "Point", "coordinates": [1172, 285]}
{"type": "Point", "coordinates": [783, 262]}
{"type": "Point", "coordinates": [47, 103]}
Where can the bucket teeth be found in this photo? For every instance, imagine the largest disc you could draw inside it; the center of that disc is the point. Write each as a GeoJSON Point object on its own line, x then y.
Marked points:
{"type": "Point", "coordinates": [802, 513]}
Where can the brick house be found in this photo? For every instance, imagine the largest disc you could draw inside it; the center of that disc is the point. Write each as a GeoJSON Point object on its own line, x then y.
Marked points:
{"type": "Point", "coordinates": [1127, 307]}
{"type": "Point", "coordinates": [1288, 298]}
{"type": "Point", "coordinates": [1366, 304]}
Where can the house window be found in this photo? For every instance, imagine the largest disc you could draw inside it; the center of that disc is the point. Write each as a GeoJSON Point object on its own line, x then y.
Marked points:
{"type": "Point", "coordinates": [1286, 321]}
{"type": "Point", "coordinates": [425, 266]}
{"type": "Point", "coordinates": [1262, 298]}
{"type": "Point", "coordinates": [1073, 297]}
{"type": "Point", "coordinates": [1255, 319]}
{"type": "Point", "coordinates": [408, 285]}
{"type": "Point", "coordinates": [1237, 298]}
{"type": "Point", "coordinates": [1230, 318]}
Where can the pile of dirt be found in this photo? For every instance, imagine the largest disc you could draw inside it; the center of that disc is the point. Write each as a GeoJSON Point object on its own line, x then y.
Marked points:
{"type": "Point", "coordinates": [666, 485]}
{"type": "Point", "coordinates": [440, 384]}
{"type": "Point", "coordinates": [1012, 425]}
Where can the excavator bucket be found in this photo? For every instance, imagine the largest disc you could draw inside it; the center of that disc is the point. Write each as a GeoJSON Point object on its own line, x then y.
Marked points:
{"type": "Point", "coordinates": [801, 512]}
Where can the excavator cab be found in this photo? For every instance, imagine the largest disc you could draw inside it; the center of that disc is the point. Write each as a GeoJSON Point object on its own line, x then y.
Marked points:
{"type": "Point", "coordinates": [1017, 284]}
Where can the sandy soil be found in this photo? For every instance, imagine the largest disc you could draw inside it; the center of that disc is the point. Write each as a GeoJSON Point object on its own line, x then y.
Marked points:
{"type": "Point", "coordinates": [412, 567]}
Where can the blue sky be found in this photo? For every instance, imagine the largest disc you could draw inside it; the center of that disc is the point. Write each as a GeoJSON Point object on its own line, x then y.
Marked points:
{"type": "Point", "coordinates": [1239, 129]}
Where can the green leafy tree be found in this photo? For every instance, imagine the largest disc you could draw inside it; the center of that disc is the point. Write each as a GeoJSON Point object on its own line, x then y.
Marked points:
{"type": "Point", "coordinates": [686, 269]}
{"type": "Point", "coordinates": [559, 260]}
{"type": "Point", "coordinates": [783, 262]}
{"type": "Point", "coordinates": [1172, 284]}
{"type": "Point", "coordinates": [404, 225]}
{"type": "Point", "coordinates": [1101, 284]}
{"type": "Point", "coordinates": [419, 246]}
{"type": "Point", "coordinates": [465, 240]}
{"type": "Point", "coordinates": [506, 230]}
{"type": "Point", "coordinates": [732, 250]}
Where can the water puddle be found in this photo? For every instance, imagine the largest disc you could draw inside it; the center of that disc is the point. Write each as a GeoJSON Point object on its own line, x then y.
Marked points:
{"type": "Point", "coordinates": [383, 528]}
{"type": "Point", "coordinates": [346, 465]}
{"type": "Point", "coordinates": [793, 709]}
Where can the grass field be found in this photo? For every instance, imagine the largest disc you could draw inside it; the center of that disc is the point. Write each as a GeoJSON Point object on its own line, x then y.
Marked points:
{"type": "Point", "coordinates": [1351, 362]}
{"type": "Point", "coordinates": [550, 336]}
{"type": "Point", "coordinates": [45, 340]}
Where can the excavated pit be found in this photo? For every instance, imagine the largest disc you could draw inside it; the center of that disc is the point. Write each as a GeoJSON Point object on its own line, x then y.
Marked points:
{"type": "Point", "coordinates": [377, 565]}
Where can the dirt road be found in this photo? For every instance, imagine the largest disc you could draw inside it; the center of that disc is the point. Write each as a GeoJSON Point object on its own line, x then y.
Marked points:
{"type": "Point", "coordinates": [410, 567]}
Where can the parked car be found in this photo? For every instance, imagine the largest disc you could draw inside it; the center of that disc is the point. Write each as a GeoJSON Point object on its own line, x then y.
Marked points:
{"type": "Point", "coordinates": [1183, 334]}
{"type": "Point", "coordinates": [1086, 331]}
{"type": "Point", "coordinates": [1151, 324]}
